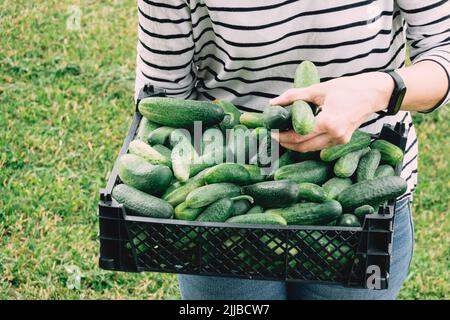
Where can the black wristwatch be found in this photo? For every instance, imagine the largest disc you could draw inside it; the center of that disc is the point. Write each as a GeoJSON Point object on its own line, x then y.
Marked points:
{"type": "Point", "coordinates": [397, 94]}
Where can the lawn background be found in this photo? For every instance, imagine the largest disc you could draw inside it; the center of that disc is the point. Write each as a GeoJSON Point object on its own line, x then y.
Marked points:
{"type": "Point", "coordinates": [66, 100]}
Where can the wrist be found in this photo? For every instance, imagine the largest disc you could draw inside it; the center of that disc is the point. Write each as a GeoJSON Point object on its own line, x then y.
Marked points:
{"type": "Point", "coordinates": [383, 86]}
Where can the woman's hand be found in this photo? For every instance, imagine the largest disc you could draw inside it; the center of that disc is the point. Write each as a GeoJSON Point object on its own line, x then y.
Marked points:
{"type": "Point", "coordinates": [345, 104]}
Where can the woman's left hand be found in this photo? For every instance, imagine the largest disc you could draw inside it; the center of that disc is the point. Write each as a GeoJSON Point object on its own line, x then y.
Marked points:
{"type": "Point", "coordinates": [345, 104]}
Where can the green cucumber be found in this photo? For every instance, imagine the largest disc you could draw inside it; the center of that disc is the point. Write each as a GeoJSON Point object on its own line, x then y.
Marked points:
{"type": "Point", "coordinates": [255, 209]}
{"type": "Point", "coordinates": [384, 170]}
{"type": "Point", "coordinates": [368, 165]}
{"type": "Point", "coordinates": [232, 114]}
{"type": "Point", "coordinates": [228, 172]}
{"type": "Point", "coordinates": [220, 210]}
{"type": "Point", "coordinates": [143, 150]}
{"type": "Point", "coordinates": [141, 203]}
{"type": "Point", "coordinates": [307, 171]}
{"type": "Point", "coordinates": [183, 212]}
{"type": "Point", "coordinates": [359, 140]}
{"type": "Point", "coordinates": [166, 152]}
{"type": "Point", "coordinates": [335, 186]}
{"type": "Point", "coordinates": [145, 128]}
{"type": "Point", "coordinates": [364, 210]}
{"type": "Point", "coordinates": [273, 194]}
{"type": "Point", "coordinates": [258, 218]}
{"type": "Point", "coordinates": [205, 195]}
{"type": "Point", "coordinates": [160, 135]}
{"type": "Point", "coordinates": [303, 119]}
{"type": "Point", "coordinates": [346, 165]}
{"type": "Point", "coordinates": [277, 117]}
{"type": "Point", "coordinates": [306, 75]}
{"type": "Point", "coordinates": [241, 207]}
{"type": "Point", "coordinates": [178, 195]}
{"type": "Point", "coordinates": [142, 175]}
{"type": "Point", "coordinates": [179, 113]}
{"type": "Point", "coordinates": [255, 172]}
{"type": "Point", "coordinates": [252, 119]}
{"type": "Point", "coordinates": [311, 192]}
{"type": "Point", "coordinates": [310, 213]}
{"type": "Point", "coordinates": [390, 153]}
{"type": "Point", "coordinates": [372, 192]}
{"type": "Point", "coordinates": [348, 220]}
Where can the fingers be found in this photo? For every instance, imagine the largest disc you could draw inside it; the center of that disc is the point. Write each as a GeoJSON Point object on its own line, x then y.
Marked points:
{"type": "Point", "coordinates": [312, 94]}
{"type": "Point", "coordinates": [319, 142]}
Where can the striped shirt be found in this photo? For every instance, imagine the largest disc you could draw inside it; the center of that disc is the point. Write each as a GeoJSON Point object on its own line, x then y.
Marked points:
{"type": "Point", "coordinates": [246, 51]}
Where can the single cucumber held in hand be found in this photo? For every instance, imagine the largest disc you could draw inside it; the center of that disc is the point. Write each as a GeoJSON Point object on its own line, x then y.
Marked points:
{"type": "Point", "coordinates": [180, 113]}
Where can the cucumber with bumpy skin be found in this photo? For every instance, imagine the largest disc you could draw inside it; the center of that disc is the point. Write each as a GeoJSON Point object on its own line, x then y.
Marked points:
{"type": "Point", "coordinates": [228, 172]}
{"type": "Point", "coordinates": [220, 210]}
{"type": "Point", "coordinates": [140, 203]}
{"type": "Point", "coordinates": [143, 150]}
{"type": "Point", "coordinates": [359, 140]}
{"type": "Point", "coordinates": [348, 220]}
{"type": "Point", "coordinates": [255, 209]}
{"type": "Point", "coordinates": [179, 113]}
{"type": "Point", "coordinates": [364, 210]}
{"type": "Point", "coordinates": [390, 153]}
{"type": "Point", "coordinates": [252, 119]}
{"type": "Point", "coordinates": [232, 114]}
{"type": "Point", "coordinates": [142, 175]}
{"type": "Point", "coordinates": [347, 165]}
{"type": "Point", "coordinates": [372, 192]}
{"type": "Point", "coordinates": [311, 192]}
{"type": "Point", "coordinates": [183, 212]}
{"type": "Point", "coordinates": [258, 218]}
{"type": "Point", "coordinates": [307, 171]}
{"type": "Point", "coordinates": [255, 172]}
{"type": "Point", "coordinates": [368, 165]}
{"type": "Point", "coordinates": [303, 120]}
{"type": "Point", "coordinates": [310, 213]}
{"type": "Point", "coordinates": [335, 186]}
{"type": "Point", "coordinates": [145, 128]}
{"type": "Point", "coordinates": [178, 195]}
{"type": "Point", "coordinates": [160, 135]}
{"type": "Point", "coordinates": [203, 196]}
{"type": "Point", "coordinates": [384, 170]}
{"type": "Point", "coordinates": [271, 194]}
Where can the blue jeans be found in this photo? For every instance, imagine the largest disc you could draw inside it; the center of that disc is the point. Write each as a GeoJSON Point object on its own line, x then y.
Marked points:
{"type": "Point", "coordinates": [219, 288]}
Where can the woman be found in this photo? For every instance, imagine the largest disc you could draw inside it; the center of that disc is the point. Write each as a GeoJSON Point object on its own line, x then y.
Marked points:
{"type": "Point", "coordinates": [246, 52]}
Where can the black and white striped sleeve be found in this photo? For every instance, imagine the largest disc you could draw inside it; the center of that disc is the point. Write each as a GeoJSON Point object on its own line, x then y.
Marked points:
{"type": "Point", "coordinates": [165, 47]}
{"type": "Point", "coordinates": [428, 33]}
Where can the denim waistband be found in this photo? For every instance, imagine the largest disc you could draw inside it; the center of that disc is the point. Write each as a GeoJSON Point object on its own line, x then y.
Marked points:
{"type": "Point", "coordinates": [402, 203]}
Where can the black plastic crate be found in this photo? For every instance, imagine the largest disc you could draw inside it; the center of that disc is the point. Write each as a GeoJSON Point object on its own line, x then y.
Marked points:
{"type": "Point", "coordinates": [333, 255]}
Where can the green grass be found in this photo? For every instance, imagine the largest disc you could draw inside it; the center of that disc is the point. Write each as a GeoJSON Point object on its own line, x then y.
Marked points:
{"type": "Point", "coordinates": [66, 100]}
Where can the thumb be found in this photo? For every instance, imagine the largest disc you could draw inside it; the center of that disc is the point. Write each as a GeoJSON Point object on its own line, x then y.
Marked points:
{"type": "Point", "coordinates": [312, 94]}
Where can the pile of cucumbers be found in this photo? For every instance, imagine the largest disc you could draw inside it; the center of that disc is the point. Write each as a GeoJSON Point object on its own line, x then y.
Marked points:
{"type": "Point", "coordinates": [164, 175]}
